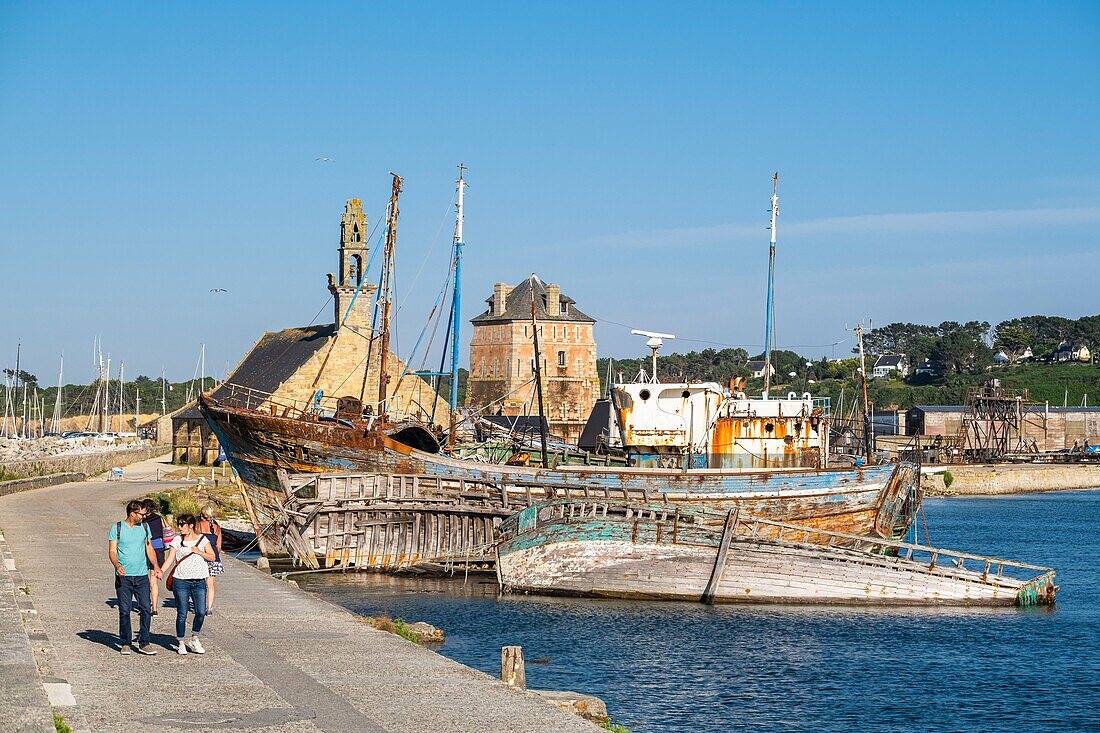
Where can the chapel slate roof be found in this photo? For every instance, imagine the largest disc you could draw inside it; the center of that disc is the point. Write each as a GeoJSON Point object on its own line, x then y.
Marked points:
{"type": "Point", "coordinates": [518, 305]}
{"type": "Point", "coordinates": [276, 357]}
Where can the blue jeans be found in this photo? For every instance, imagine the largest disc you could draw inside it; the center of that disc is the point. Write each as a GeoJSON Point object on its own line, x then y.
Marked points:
{"type": "Point", "coordinates": [186, 591]}
{"type": "Point", "coordinates": [130, 587]}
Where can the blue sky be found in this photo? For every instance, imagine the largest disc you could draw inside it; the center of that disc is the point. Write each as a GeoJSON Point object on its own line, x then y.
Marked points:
{"type": "Point", "coordinates": [937, 161]}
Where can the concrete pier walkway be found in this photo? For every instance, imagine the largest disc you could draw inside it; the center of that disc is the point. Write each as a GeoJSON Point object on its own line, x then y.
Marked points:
{"type": "Point", "coordinates": [278, 659]}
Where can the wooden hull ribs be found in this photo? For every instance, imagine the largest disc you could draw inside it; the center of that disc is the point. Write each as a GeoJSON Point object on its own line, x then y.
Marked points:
{"type": "Point", "coordinates": [877, 500]}
{"type": "Point", "coordinates": [626, 550]}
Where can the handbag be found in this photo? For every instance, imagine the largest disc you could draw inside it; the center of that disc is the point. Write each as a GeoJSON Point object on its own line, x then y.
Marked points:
{"type": "Point", "coordinates": [176, 566]}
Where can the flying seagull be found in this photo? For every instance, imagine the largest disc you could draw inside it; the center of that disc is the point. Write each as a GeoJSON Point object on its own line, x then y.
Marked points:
{"type": "Point", "coordinates": [218, 290]}
{"type": "Point", "coordinates": [324, 159]}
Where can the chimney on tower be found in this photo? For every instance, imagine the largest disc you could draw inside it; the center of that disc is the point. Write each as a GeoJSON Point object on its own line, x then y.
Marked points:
{"type": "Point", "coordinates": [500, 298]}
{"type": "Point", "coordinates": [553, 300]}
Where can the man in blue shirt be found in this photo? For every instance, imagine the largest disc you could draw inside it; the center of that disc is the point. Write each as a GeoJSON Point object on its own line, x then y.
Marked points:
{"type": "Point", "coordinates": [130, 550]}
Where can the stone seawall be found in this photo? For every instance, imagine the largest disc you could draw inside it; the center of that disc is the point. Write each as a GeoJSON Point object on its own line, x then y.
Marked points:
{"type": "Point", "coordinates": [89, 464]}
{"type": "Point", "coordinates": [26, 484]}
{"type": "Point", "coordinates": [1011, 479]}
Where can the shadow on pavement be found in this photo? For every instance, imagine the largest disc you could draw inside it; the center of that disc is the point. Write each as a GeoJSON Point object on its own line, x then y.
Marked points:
{"type": "Point", "coordinates": [110, 640]}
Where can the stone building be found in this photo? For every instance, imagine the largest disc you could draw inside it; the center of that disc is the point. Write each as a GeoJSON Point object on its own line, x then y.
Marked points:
{"type": "Point", "coordinates": [291, 366]}
{"type": "Point", "coordinates": [502, 362]}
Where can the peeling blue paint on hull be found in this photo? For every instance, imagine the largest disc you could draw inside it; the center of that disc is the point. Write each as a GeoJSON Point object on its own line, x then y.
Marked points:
{"type": "Point", "coordinates": [607, 559]}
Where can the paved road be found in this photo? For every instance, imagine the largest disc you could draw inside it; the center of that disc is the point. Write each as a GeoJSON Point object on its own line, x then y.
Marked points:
{"type": "Point", "coordinates": [278, 659]}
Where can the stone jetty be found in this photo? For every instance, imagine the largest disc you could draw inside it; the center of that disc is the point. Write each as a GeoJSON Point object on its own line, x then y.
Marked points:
{"type": "Point", "coordinates": [278, 659]}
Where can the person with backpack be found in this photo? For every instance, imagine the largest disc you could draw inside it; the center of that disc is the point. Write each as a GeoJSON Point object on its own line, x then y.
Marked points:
{"type": "Point", "coordinates": [191, 552]}
{"type": "Point", "coordinates": [209, 526]}
{"type": "Point", "coordinates": [156, 532]}
{"type": "Point", "coordinates": [130, 550]}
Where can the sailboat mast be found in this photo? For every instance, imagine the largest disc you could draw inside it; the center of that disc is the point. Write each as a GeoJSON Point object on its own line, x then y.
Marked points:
{"type": "Point", "coordinates": [769, 325]}
{"type": "Point", "coordinates": [456, 300]}
{"type": "Point", "coordinates": [55, 427]}
{"type": "Point", "coordinates": [121, 373]}
{"type": "Point", "coordinates": [387, 291]}
{"type": "Point", "coordinates": [106, 396]}
{"type": "Point", "coordinates": [163, 393]}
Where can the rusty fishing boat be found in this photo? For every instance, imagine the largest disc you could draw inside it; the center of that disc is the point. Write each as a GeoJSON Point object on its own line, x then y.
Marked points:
{"type": "Point", "coordinates": [620, 549]}
{"type": "Point", "coordinates": [259, 442]}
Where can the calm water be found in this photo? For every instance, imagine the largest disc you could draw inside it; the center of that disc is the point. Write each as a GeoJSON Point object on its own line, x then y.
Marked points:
{"type": "Point", "coordinates": [686, 667]}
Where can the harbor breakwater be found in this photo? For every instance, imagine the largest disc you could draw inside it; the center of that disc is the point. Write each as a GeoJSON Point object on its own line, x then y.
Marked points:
{"type": "Point", "coordinates": [992, 480]}
{"type": "Point", "coordinates": [88, 464]}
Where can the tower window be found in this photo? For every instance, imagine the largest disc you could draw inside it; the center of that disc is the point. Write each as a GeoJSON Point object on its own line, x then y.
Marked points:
{"type": "Point", "coordinates": [561, 358]}
{"type": "Point", "coordinates": [355, 269]}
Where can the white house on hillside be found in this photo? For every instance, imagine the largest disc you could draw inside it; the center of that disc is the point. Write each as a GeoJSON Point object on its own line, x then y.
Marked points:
{"type": "Point", "coordinates": [756, 368]}
{"type": "Point", "coordinates": [925, 367]}
{"type": "Point", "coordinates": [1002, 358]}
{"type": "Point", "coordinates": [890, 363]}
{"type": "Point", "coordinates": [1072, 352]}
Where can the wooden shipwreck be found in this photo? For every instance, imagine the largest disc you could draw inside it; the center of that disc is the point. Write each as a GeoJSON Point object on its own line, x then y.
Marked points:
{"type": "Point", "coordinates": [395, 521]}
{"type": "Point", "coordinates": [621, 549]}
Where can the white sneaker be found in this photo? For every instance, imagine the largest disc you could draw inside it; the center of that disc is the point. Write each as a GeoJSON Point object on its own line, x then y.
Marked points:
{"type": "Point", "coordinates": [182, 647]}
{"type": "Point", "coordinates": [196, 646]}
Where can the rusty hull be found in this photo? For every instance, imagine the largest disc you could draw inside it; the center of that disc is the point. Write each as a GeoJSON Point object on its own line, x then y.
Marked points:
{"type": "Point", "coordinates": [259, 444]}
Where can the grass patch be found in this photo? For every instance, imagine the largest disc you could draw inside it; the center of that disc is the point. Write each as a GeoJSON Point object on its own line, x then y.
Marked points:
{"type": "Point", "coordinates": [393, 626]}
{"type": "Point", "coordinates": [5, 476]}
{"type": "Point", "coordinates": [178, 502]}
{"type": "Point", "coordinates": [614, 727]}
{"type": "Point", "coordinates": [191, 500]}
{"type": "Point", "coordinates": [59, 724]}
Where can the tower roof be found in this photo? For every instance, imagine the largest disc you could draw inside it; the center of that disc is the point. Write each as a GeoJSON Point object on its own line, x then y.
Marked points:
{"type": "Point", "coordinates": [518, 305]}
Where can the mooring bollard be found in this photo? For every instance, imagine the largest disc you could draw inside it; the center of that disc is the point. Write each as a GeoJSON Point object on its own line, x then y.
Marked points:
{"type": "Point", "coordinates": [511, 667]}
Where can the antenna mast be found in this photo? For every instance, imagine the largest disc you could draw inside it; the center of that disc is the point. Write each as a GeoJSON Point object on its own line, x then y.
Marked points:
{"type": "Point", "coordinates": [769, 325]}
{"type": "Point", "coordinates": [386, 292]}
{"type": "Point", "coordinates": [456, 299]}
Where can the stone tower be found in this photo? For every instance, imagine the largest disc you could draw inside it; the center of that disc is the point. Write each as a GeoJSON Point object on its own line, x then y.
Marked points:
{"type": "Point", "coordinates": [502, 357]}
{"type": "Point", "coordinates": [353, 260]}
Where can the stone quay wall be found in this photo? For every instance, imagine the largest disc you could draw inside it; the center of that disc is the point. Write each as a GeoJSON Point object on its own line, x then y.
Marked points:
{"type": "Point", "coordinates": [1011, 479]}
{"type": "Point", "coordinates": [89, 464]}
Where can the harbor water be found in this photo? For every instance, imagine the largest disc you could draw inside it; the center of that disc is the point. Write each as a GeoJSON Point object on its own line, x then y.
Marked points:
{"type": "Point", "coordinates": [664, 667]}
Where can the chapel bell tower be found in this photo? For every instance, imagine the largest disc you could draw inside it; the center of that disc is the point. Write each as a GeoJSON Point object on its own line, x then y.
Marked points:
{"type": "Point", "coordinates": [353, 261]}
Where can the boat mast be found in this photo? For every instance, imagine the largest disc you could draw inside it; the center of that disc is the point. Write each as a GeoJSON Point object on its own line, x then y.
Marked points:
{"type": "Point", "coordinates": [538, 382]}
{"type": "Point", "coordinates": [55, 426]}
{"type": "Point", "coordinates": [18, 355]}
{"type": "Point", "coordinates": [106, 396]}
{"type": "Point", "coordinates": [456, 299]}
{"type": "Point", "coordinates": [769, 325]}
{"type": "Point", "coordinates": [121, 381]}
{"type": "Point", "coordinates": [386, 290]}
{"type": "Point", "coordinates": [163, 392]}
{"type": "Point", "coordinates": [867, 433]}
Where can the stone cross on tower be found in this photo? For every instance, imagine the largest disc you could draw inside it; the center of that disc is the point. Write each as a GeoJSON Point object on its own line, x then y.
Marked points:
{"type": "Point", "coordinates": [353, 261]}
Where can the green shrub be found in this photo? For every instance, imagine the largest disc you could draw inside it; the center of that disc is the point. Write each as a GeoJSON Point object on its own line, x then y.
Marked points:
{"type": "Point", "coordinates": [59, 724]}
{"type": "Point", "coordinates": [948, 479]}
